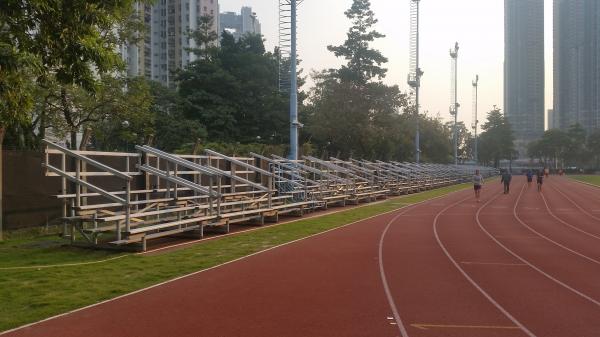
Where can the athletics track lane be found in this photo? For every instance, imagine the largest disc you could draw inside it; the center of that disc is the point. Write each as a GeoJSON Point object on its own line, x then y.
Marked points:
{"type": "Point", "coordinates": [330, 285]}
{"type": "Point", "coordinates": [541, 304]}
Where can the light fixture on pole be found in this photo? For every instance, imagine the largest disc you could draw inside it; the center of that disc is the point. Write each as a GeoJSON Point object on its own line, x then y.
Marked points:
{"type": "Point", "coordinates": [454, 98]}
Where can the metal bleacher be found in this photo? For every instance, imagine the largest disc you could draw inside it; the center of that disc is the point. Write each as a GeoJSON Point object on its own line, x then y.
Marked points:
{"type": "Point", "coordinates": [122, 200]}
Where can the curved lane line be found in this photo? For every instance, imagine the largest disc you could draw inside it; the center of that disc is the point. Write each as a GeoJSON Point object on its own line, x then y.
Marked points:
{"type": "Point", "coordinates": [576, 204]}
{"type": "Point", "coordinates": [566, 286]}
{"type": "Point", "coordinates": [516, 215]}
{"type": "Point", "coordinates": [220, 265]}
{"type": "Point", "coordinates": [386, 287]}
{"type": "Point", "coordinates": [565, 222]}
{"type": "Point", "coordinates": [464, 273]}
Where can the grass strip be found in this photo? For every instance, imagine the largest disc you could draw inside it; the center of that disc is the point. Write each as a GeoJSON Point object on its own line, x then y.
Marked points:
{"type": "Point", "coordinates": [31, 295]}
{"type": "Point", "coordinates": [594, 180]}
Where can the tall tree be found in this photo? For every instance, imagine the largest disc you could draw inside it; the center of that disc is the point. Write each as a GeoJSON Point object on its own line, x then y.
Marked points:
{"type": "Point", "coordinates": [363, 62]}
{"type": "Point", "coordinates": [497, 139]}
{"type": "Point", "coordinates": [351, 111]}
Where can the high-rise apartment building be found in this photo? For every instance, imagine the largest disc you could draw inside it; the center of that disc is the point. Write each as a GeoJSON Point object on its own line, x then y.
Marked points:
{"type": "Point", "coordinates": [524, 69]}
{"type": "Point", "coordinates": [577, 63]}
{"type": "Point", "coordinates": [137, 56]}
{"type": "Point", "coordinates": [171, 22]}
{"type": "Point", "coordinates": [165, 47]}
{"type": "Point", "coordinates": [240, 24]}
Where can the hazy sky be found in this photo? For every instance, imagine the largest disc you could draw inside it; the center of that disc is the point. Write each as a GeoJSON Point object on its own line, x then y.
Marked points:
{"type": "Point", "coordinates": [477, 25]}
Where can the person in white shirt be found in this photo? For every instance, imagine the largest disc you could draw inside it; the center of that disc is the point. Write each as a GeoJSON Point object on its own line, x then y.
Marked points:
{"type": "Point", "coordinates": [477, 184]}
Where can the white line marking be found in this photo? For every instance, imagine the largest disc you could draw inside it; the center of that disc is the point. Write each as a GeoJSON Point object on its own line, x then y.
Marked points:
{"type": "Point", "coordinates": [531, 265]}
{"type": "Point", "coordinates": [564, 222]}
{"type": "Point", "coordinates": [545, 237]}
{"type": "Point", "coordinates": [65, 264]}
{"type": "Point", "coordinates": [223, 264]}
{"type": "Point", "coordinates": [576, 204]}
{"type": "Point", "coordinates": [462, 271]}
{"type": "Point", "coordinates": [493, 263]}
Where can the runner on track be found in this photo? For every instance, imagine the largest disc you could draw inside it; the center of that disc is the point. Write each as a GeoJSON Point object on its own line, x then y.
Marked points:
{"type": "Point", "coordinates": [529, 178]}
{"type": "Point", "coordinates": [506, 178]}
{"type": "Point", "coordinates": [540, 180]}
{"type": "Point", "coordinates": [477, 183]}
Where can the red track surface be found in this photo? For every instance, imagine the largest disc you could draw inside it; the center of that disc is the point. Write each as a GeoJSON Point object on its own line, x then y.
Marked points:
{"type": "Point", "coordinates": [523, 264]}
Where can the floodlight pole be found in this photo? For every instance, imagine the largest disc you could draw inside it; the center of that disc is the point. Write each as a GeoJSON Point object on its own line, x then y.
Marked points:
{"type": "Point", "coordinates": [475, 119]}
{"type": "Point", "coordinates": [294, 123]}
{"type": "Point", "coordinates": [414, 72]}
{"type": "Point", "coordinates": [454, 105]}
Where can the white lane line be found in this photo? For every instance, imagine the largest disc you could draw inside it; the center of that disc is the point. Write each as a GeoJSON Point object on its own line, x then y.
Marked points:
{"type": "Point", "coordinates": [545, 237]}
{"type": "Point", "coordinates": [565, 222]}
{"type": "Point", "coordinates": [493, 263]}
{"type": "Point", "coordinates": [576, 204]}
{"type": "Point", "coordinates": [386, 287]}
{"type": "Point", "coordinates": [462, 271]}
{"type": "Point", "coordinates": [566, 286]}
{"type": "Point", "coordinates": [221, 265]}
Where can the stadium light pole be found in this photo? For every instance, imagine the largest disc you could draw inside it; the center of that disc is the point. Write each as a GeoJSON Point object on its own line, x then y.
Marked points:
{"type": "Point", "coordinates": [294, 123]}
{"type": "Point", "coordinates": [454, 104]}
{"type": "Point", "coordinates": [414, 72]}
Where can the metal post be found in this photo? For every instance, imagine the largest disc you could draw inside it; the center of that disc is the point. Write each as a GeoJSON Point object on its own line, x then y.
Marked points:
{"type": "Point", "coordinates": [475, 119]}
{"type": "Point", "coordinates": [294, 124]}
{"type": "Point", "coordinates": [128, 208]}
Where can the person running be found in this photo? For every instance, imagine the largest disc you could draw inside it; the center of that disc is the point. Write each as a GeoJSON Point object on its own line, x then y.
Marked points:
{"type": "Point", "coordinates": [506, 178]}
{"type": "Point", "coordinates": [529, 178]}
{"type": "Point", "coordinates": [477, 183]}
{"type": "Point", "coordinates": [540, 180]}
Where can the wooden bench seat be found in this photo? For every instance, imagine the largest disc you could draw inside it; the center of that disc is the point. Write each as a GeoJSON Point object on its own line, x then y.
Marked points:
{"type": "Point", "coordinates": [146, 229]}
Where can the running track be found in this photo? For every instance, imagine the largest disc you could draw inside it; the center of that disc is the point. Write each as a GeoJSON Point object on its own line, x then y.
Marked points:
{"type": "Point", "coordinates": [523, 264]}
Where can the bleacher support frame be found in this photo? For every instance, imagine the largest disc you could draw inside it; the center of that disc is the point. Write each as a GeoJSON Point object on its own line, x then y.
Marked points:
{"type": "Point", "coordinates": [112, 205]}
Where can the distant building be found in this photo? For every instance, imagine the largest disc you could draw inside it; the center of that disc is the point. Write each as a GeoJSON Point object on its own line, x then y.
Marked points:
{"type": "Point", "coordinates": [164, 49]}
{"type": "Point", "coordinates": [239, 24]}
{"type": "Point", "coordinates": [577, 63]}
{"type": "Point", "coordinates": [137, 57]}
{"type": "Point", "coordinates": [524, 69]}
{"type": "Point", "coordinates": [552, 120]}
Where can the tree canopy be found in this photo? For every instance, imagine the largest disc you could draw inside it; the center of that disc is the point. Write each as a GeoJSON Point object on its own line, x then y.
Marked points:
{"type": "Point", "coordinates": [497, 140]}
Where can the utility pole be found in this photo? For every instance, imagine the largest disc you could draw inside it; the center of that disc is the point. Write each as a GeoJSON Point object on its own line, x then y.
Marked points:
{"type": "Point", "coordinates": [414, 72]}
{"type": "Point", "coordinates": [475, 121]}
{"type": "Point", "coordinates": [454, 98]}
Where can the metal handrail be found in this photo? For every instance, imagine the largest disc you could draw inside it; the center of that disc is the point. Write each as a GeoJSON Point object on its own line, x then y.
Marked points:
{"type": "Point", "coordinates": [87, 160]}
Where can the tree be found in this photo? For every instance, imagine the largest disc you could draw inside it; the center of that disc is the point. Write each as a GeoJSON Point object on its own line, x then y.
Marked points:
{"type": "Point", "coordinates": [576, 154]}
{"type": "Point", "coordinates": [553, 146]}
{"type": "Point", "coordinates": [233, 90]}
{"type": "Point", "coordinates": [351, 112]}
{"type": "Point", "coordinates": [65, 43]}
{"type": "Point", "coordinates": [593, 145]}
{"type": "Point", "coordinates": [173, 131]}
{"type": "Point", "coordinates": [363, 62]}
{"type": "Point", "coordinates": [465, 139]}
{"type": "Point", "coordinates": [497, 140]}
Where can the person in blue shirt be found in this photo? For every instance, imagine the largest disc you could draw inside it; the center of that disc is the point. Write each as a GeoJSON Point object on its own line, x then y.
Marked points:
{"type": "Point", "coordinates": [506, 178]}
{"type": "Point", "coordinates": [529, 178]}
